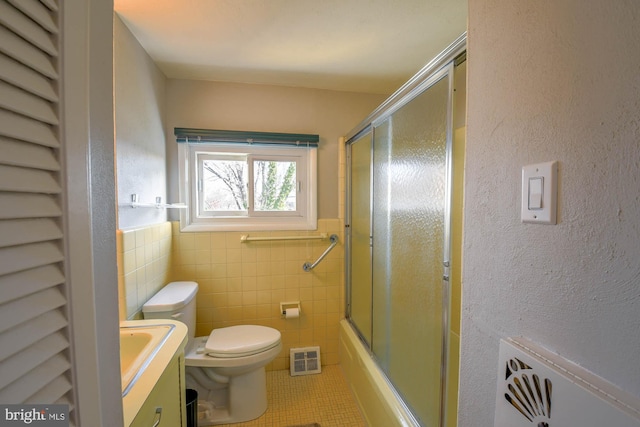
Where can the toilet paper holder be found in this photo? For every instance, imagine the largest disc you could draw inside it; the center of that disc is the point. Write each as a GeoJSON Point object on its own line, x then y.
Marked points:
{"type": "Point", "coordinates": [289, 304]}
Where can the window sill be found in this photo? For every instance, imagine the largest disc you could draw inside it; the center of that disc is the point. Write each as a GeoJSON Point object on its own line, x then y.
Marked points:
{"type": "Point", "coordinates": [254, 224]}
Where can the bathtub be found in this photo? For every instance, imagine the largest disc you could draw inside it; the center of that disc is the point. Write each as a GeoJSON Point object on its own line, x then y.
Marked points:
{"type": "Point", "coordinates": [378, 402]}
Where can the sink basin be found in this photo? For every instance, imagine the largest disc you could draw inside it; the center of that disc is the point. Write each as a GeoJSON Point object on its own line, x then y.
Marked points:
{"type": "Point", "coordinates": [138, 346]}
{"type": "Point", "coordinates": [147, 348]}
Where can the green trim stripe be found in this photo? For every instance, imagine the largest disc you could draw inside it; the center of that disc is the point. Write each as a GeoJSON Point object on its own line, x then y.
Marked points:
{"type": "Point", "coordinates": [194, 136]}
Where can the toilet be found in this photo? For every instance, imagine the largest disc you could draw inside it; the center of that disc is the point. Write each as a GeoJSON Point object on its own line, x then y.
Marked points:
{"type": "Point", "coordinates": [226, 368]}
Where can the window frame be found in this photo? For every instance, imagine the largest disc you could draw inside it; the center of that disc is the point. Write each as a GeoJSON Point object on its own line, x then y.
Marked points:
{"type": "Point", "coordinates": [305, 216]}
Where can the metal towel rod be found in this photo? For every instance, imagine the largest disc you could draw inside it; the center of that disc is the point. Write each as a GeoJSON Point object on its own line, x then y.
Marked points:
{"type": "Point", "coordinates": [334, 241]}
{"type": "Point", "coordinates": [245, 238]}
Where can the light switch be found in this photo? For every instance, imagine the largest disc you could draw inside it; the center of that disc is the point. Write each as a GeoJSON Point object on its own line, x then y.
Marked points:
{"type": "Point", "coordinates": [535, 192]}
{"type": "Point", "coordinates": [539, 193]}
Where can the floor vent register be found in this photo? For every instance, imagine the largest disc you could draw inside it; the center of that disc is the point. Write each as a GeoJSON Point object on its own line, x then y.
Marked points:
{"type": "Point", "coordinates": [305, 361]}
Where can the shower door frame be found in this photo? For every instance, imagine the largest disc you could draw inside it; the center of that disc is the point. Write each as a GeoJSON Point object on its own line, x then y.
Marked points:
{"type": "Point", "coordinates": [437, 69]}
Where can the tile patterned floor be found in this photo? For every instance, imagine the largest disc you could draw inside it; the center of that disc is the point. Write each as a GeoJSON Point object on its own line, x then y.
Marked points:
{"type": "Point", "coordinates": [322, 398]}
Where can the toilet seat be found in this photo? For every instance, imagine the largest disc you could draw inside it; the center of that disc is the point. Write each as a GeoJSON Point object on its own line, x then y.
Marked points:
{"type": "Point", "coordinates": [241, 340]}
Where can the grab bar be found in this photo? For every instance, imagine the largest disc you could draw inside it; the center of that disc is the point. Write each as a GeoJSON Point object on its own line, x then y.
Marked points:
{"type": "Point", "coordinates": [246, 238]}
{"type": "Point", "coordinates": [334, 241]}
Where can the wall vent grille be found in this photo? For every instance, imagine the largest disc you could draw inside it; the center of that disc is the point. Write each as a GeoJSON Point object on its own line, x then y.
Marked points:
{"type": "Point", "coordinates": [538, 388]}
{"type": "Point", "coordinates": [305, 361]}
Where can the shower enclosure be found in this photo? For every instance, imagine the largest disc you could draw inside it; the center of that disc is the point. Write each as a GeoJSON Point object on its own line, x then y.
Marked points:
{"type": "Point", "coordinates": [399, 185]}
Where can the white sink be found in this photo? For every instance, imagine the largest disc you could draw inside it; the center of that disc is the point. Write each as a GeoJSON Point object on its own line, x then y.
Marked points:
{"type": "Point", "coordinates": [138, 345]}
{"type": "Point", "coordinates": [146, 349]}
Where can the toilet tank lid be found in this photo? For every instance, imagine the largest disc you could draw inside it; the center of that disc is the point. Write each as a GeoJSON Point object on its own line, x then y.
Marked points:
{"type": "Point", "coordinates": [172, 297]}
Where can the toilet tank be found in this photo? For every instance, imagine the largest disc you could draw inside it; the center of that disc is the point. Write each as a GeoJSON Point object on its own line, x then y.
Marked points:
{"type": "Point", "coordinates": [175, 301]}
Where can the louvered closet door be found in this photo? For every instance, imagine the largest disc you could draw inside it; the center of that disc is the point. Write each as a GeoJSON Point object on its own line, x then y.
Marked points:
{"type": "Point", "coordinates": [34, 336]}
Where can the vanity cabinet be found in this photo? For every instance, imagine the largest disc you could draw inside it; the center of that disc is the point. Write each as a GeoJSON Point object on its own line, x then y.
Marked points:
{"type": "Point", "coordinates": [152, 370]}
{"type": "Point", "coordinates": [164, 407]}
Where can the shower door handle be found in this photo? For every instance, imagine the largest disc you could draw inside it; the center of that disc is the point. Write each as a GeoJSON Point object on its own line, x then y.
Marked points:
{"type": "Point", "coordinates": [159, 417]}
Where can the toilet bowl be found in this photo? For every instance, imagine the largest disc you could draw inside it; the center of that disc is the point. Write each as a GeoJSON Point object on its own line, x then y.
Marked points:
{"type": "Point", "coordinates": [227, 367]}
{"type": "Point", "coordinates": [227, 372]}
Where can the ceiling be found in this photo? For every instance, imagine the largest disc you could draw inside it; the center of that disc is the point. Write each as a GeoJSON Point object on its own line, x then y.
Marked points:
{"type": "Point", "coordinates": [369, 46]}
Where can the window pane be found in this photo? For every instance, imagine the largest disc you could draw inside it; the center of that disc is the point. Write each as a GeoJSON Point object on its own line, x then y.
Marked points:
{"type": "Point", "coordinates": [274, 186]}
{"type": "Point", "coordinates": [224, 185]}
{"type": "Point", "coordinates": [248, 187]}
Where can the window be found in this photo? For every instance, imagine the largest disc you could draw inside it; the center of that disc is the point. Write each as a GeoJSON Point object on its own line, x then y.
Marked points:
{"type": "Point", "coordinates": [247, 186]}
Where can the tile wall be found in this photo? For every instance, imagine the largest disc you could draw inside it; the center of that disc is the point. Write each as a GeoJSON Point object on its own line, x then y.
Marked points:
{"type": "Point", "coordinates": [144, 261]}
{"type": "Point", "coordinates": [241, 283]}
{"type": "Point", "coordinates": [244, 283]}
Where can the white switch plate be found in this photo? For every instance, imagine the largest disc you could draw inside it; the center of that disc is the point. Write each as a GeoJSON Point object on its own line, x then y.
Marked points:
{"type": "Point", "coordinates": [532, 211]}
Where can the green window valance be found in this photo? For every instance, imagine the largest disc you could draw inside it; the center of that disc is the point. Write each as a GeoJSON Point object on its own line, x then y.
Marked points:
{"type": "Point", "coordinates": [188, 135]}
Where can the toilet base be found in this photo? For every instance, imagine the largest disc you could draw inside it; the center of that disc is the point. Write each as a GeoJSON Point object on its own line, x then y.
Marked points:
{"type": "Point", "coordinates": [209, 415]}
{"type": "Point", "coordinates": [243, 399]}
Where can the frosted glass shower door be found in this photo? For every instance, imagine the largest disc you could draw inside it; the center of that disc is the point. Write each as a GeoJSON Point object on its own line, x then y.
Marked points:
{"type": "Point", "coordinates": [410, 233]}
{"type": "Point", "coordinates": [360, 236]}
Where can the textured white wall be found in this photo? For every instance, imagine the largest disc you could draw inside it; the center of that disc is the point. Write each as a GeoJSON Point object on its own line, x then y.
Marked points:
{"type": "Point", "coordinates": [139, 124]}
{"type": "Point", "coordinates": [234, 106]}
{"type": "Point", "coordinates": [552, 80]}
{"type": "Point", "coordinates": [89, 205]}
